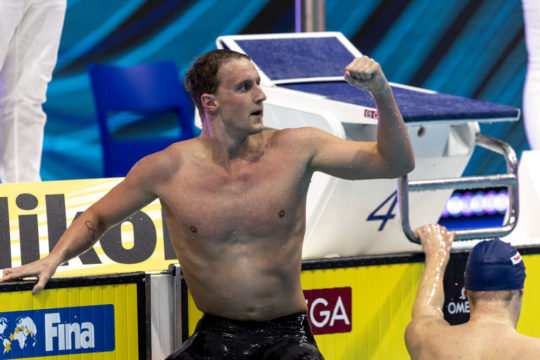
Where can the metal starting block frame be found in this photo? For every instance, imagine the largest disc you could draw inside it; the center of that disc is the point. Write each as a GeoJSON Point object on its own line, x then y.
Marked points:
{"type": "Point", "coordinates": [470, 182]}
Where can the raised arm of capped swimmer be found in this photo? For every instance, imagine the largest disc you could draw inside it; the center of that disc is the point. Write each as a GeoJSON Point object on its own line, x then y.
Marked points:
{"type": "Point", "coordinates": [134, 192]}
{"type": "Point", "coordinates": [436, 242]}
{"type": "Point", "coordinates": [391, 155]}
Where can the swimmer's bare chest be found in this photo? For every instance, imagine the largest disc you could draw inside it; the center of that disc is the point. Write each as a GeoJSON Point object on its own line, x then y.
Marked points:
{"type": "Point", "coordinates": [248, 201]}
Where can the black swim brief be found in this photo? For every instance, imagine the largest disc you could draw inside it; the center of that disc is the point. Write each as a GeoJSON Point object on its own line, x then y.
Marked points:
{"type": "Point", "coordinates": [287, 337]}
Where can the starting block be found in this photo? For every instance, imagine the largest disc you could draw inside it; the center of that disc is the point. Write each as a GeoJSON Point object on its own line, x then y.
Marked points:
{"type": "Point", "coordinates": [302, 76]}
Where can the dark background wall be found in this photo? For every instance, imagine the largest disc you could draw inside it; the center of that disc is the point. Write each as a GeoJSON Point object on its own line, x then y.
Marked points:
{"type": "Point", "coordinates": [471, 48]}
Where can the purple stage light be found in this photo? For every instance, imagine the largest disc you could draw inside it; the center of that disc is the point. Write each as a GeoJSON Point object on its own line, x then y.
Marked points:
{"type": "Point", "coordinates": [466, 208]}
{"type": "Point", "coordinates": [445, 212]}
{"type": "Point", "coordinates": [476, 203]}
{"type": "Point", "coordinates": [454, 205]}
{"type": "Point", "coordinates": [489, 202]}
{"type": "Point", "coordinates": [501, 201]}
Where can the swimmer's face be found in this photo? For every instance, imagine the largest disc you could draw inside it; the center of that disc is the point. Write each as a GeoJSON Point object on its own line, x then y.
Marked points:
{"type": "Point", "coordinates": [239, 98]}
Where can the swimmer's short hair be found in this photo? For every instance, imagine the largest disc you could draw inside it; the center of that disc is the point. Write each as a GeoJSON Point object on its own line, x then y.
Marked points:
{"type": "Point", "coordinates": [201, 78]}
{"type": "Point", "coordinates": [504, 296]}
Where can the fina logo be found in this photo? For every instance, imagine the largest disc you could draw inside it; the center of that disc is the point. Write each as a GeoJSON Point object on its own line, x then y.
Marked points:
{"type": "Point", "coordinates": [83, 334]}
{"type": "Point", "coordinates": [50, 332]}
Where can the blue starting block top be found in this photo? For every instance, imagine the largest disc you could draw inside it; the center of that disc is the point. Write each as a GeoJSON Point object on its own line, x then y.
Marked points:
{"type": "Point", "coordinates": [315, 63]}
{"type": "Point", "coordinates": [298, 58]}
{"type": "Point", "coordinates": [414, 105]}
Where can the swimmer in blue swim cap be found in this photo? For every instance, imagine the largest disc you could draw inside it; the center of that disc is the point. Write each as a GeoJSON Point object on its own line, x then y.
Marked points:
{"type": "Point", "coordinates": [494, 281]}
{"type": "Point", "coordinates": [494, 265]}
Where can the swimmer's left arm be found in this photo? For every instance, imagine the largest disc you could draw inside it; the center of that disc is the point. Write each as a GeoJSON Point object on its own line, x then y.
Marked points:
{"type": "Point", "coordinates": [390, 156]}
{"type": "Point", "coordinates": [393, 143]}
{"type": "Point", "coordinates": [353, 160]}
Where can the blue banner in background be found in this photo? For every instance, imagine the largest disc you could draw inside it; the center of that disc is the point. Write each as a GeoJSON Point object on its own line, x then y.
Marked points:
{"type": "Point", "coordinates": [130, 32]}
{"type": "Point", "coordinates": [51, 332]}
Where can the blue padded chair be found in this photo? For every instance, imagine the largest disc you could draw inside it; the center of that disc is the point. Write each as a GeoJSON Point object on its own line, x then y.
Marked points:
{"type": "Point", "coordinates": [141, 89]}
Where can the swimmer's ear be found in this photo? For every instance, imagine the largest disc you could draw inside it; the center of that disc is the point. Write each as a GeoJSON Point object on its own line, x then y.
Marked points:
{"type": "Point", "coordinates": [209, 102]}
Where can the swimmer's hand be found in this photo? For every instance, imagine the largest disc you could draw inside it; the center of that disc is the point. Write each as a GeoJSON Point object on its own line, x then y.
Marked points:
{"type": "Point", "coordinates": [43, 269]}
{"type": "Point", "coordinates": [366, 74]}
{"type": "Point", "coordinates": [435, 239]}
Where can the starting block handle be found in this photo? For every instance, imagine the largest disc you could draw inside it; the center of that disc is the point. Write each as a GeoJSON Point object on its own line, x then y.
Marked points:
{"type": "Point", "coordinates": [470, 182]}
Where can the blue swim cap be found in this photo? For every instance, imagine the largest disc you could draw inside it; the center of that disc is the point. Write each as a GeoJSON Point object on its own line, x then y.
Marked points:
{"type": "Point", "coordinates": [494, 265]}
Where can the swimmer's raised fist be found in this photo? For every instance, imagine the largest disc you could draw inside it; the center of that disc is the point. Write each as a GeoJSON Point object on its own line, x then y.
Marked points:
{"type": "Point", "coordinates": [366, 74]}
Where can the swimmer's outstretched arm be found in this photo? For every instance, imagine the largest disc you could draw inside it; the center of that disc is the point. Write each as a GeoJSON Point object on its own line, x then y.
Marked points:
{"type": "Point", "coordinates": [436, 242]}
{"type": "Point", "coordinates": [390, 156]}
{"type": "Point", "coordinates": [134, 192]}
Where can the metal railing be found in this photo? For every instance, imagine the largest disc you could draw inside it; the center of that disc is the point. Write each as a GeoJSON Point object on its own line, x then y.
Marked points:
{"type": "Point", "coordinates": [471, 182]}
